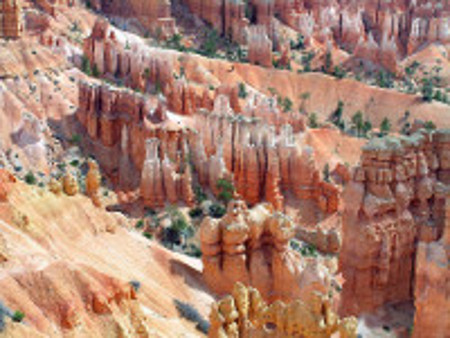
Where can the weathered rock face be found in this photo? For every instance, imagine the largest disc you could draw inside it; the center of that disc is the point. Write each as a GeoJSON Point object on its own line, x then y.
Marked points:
{"type": "Point", "coordinates": [154, 15]}
{"type": "Point", "coordinates": [245, 314]}
{"type": "Point", "coordinates": [264, 158]}
{"type": "Point", "coordinates": [391, 202]}
{"type": "Point", "coordinates": [6, 180]}
{"type": "Point", "coordinates": [93, 182]}
{"type": "Point", "coordinates": [11, 25]}
{"type": "Point", "coordinates": [70, 184]}
{"type": "Point", "coordinates": [431, 291]}
{"type": "Point", "coordinates": [376, 32]}
{"type": "Point", "coordinates": [227, 17]}
{"type": "Point", "coordinates": [259, 46]}
{"type": "Point", "coordinates": [252, 247]}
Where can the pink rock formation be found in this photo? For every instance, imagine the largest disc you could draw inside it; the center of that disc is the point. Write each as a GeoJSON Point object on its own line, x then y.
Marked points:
{"type": "Point", "coordinates": [6, 180]}
{"type": "Point", "coordinates": [259, 46]}
{"type": "Point", "coordinates": [252, 247]}
{"type": "Point", "coordinates": [11, 25]}
{"type": "Point", "coordinates": [227, 17]}
{"type": "Point", "coordinates": [93, 182]}
{"type": "Point", "coordinates": [391, 202]}
{"type": "Point", "coordinates": [431, 283]}
{"type": "Point", "coordinates": [154, 15]}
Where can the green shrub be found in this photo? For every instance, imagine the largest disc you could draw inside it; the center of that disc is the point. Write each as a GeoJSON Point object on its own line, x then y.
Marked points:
{"type": "Point", "coordinates": [200, 195]}
{"type": "Point", "coordinates": [429, 125]}
{"type": "Point", "coordinates": [187, 311]}
{"type": "Point", "coordinates": [95, 71]}
{"type": "Point", "coordinates": [86, 65]}
{"type": "Point", "coordinates": [148, 235]}
{"type": "Point", "coordinates": [217, 210]}
{"type": "Point", "coordinates": [312, 121]}
{"type": "Point", "coordinates": [30, 178]}
{"type": "Point", "coordinates": [326, 173]}
{"type": "Point", "coordinates": [385, 126]}
{"type": "Point", "coordinates": [18, 316]}
{"type": "Point", "coordinates": [140, 224]}
{"type": "Point", "coordinates": [385, 79]}
{"type": "Point", "coordinates": [226, 190]}
{"type": "Point", "coordinates": [427, 90]}
{"type": "Point", "coordinates": [308, 250]}
{"type": "Point", "coordinates": [196, 212]}
{"type": "Point", "coordinates": [242, 90]}
{"type": "Point", "coordinates": [76, 139]}
{"type": "Point", "coordinates": [136, 285]}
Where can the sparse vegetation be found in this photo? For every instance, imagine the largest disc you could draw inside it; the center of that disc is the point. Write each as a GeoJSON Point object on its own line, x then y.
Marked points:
{"type": "Point", "coordinates": [86, 65]}
{"type": "Point", "coordinates": [385, 126]}
{"type": "Point", "coordinates": [326, 173]}
{"type": "Point", "coordinates": [226, 190]}
{"type": "Point", "coordinates": [18, 316]}
{"type": "Point", "coordinates": [336, 116]}
{"type": "Point", "coordinates": [242, 90]}
{"type": "Point", "coordinates": [312, 121]}
{"type": "Point", "coordinates": [196, 212]}
{"type": "Point", "coordinates": [187, 311]}
{"type": "Point", "coordinates": [427, 90]}
{"type": "Point", "coordinates": [136, 285]}
{"type": "Point", "coordinates": [30, 178]}
{"type": "Point", "coordinates": [217, 210]}
{"type": "Point", "coordinates": [384, 79]}
{"type": "Point", "coordinates": [429, 125]}
{"type": "Point", "coordinates": [140, 224]}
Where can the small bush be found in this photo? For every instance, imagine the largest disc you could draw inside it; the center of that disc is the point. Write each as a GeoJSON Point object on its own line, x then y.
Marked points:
{"type": "Point", "coordinates": [136, 285]}
{"type": "Point", "coordinates": [75, 163]}
{"type": "Point", "coordinates": [429, 125]}
{"type": "Point", "coordinates": [226, 190]}
{"type": "Point", "coordinates": [75, 139]}
{"type": "Point", "coordinates": [427, 90]}
{"type": "Point", "coordinates": [148, 235]}
{"type": "Point", "coordinates": [95, 71]}
{"type": "Point", "coordinates": [187, 311]}
{"type": "Point", "coordinates": [18, 316]}
{"type": "Point", "coordinates": [200, 195]}
{"type": "Point", "coordinates": [196, 212]}
{"type": "Point", "coordinates": [312, 121]}
{"type": "Point", "coordinates": [217, 210]}
{"type": "Point", "coordinates": [326, 173]}
{"type": "Point", "coordinates": [242, 90]}
{"type": "Point", "coordinates": [308, 250]}
{"type": "Point", "coordinates": [194, 251]}
{"type": "Point", "coordinates": [140, 224]}
{"type": "Point", "coordinates": [385, 126]}
{"type": "Point", "coordinates": [86, 65]}
{"type": "Point", "coordinates": [30, 178]}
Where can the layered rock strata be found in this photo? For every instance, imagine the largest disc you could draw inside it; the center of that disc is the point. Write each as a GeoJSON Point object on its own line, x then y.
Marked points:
{"type": "Point", "coordinates": [109, 116]}
{"type": "Point", "coordinates": [392, 201]}
{"type": "Point", "coordinates": [252, 247]}
{"type": "Point", "coordinates": [154, 15]}
{"type": "Point", "coordinates": [11, 25]}
{"type": "Point", "coordinates": [431, 290]}
{"type": "Point", "coordinates": [244, 314]}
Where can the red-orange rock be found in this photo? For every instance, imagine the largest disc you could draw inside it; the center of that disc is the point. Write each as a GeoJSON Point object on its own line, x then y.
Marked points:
{"type": "Point", "coordinates": [252, 246]}
{"type": "Point", "coordinates": [6, 180]}
{"type": "Point", "coordinates": [11, 25]}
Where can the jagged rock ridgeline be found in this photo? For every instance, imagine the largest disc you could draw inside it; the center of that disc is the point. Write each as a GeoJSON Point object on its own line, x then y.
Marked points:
{"type": "Point", "coordinates": [396, 197]}
{"type": "Point", "coordinates": [252, 247]}
{"type": "Point", "coordinates": [244, 314]}
{"type": "Point", "coordinates": [11, 25]}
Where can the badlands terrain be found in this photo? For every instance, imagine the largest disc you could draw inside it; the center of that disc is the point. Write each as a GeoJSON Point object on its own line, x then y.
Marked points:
{"type": "Point", "coordinates": [225, 168]}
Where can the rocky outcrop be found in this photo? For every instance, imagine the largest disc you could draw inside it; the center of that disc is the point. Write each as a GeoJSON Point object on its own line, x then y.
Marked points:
{"type": "Point", "coordinates": [11, 25]}
{"type": "Point", "coordinates": [431, 291]}
{"type": "Point", "coordinates": [391, 202]}
{"type": "Point", "coordinates": [252, 247]}
{"type": "Point", "coordinates": [70, 184]}
{"type": "Point", "coordinates": [153, 15]}
{"type": "Point", "coordinates": [259, 46]}
{"type": "Point", "coordinates": [93, 182]}
{"type": "Point", "coordinates": [226, 17]}
{"type": "Point", "coordinates": [6, 181]}
{"type": "Point", "coordinates": [244, 313]}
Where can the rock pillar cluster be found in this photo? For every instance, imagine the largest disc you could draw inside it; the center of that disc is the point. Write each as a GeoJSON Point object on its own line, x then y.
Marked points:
{"type": "Point", "coordinates": [245, 314]}
{"type": "Point", "coordinates": [153, 15]}
{"type": "Point", "coordinates": [259, 46]}
{"type": "Point", "coordinates": [252, 247]}
{"type": "Point", "coordinates": [392, 201]}
{"type": "Point", "coordinates": [11, 25]}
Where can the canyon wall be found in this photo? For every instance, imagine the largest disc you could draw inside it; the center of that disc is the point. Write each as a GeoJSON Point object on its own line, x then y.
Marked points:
{"type": "Point", "coordinates": [245, 314]}
{"type": "Point", "coordinates": [11, 25]}
{"type": "Point", "coordinates": [153, 15]}
{"type": "Point", "coordinates": [431, 291]}
{"type": "Point", "coordinates": [252, 247]}
{"type": "Point", "coordinates": [393, 200]}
